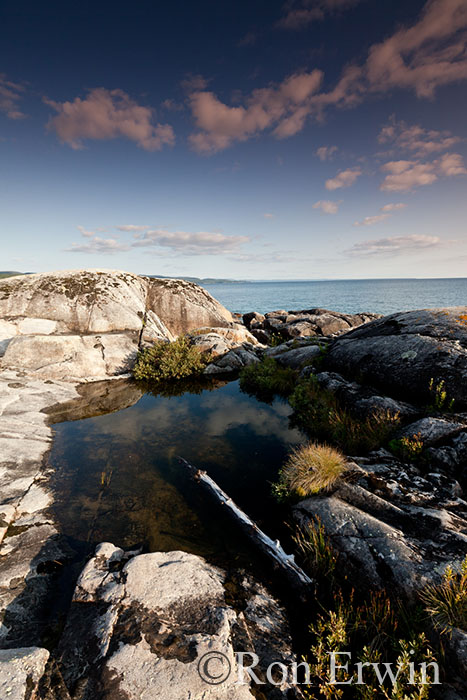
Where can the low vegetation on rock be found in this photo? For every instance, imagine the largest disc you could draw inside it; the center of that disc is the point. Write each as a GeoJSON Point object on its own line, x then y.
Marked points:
{"type": "Point", "coordinates": [319, 413]}
{"type": "Point", "coordinates": [446, 603]}
{"type": "Point", "coordinates": [164, 361]}
{"type": "Point", "coordinates": [268, 379]}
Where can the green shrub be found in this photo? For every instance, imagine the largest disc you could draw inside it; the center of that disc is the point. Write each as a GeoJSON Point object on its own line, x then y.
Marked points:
{"type": "Point", "coordinates": [312, 468]}
{"type": "Point", "coordinates": [267, 379]}
{"type": "Point", "coordinates": [447, 603]}
{"type": "Point", "coordinates": [163, 361]}
{"type": "Point", "coordinates": [318, 412]}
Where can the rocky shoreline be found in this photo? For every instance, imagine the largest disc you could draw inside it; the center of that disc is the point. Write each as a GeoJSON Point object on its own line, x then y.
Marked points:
{"type": "Point", "coordinates": [135, 628]}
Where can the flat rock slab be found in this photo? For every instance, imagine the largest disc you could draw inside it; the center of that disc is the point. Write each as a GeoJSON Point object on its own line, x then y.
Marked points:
{"type": "Point", "coordinates": [21, 671]}
{"type": "Point", "coordinates": [140, 627]}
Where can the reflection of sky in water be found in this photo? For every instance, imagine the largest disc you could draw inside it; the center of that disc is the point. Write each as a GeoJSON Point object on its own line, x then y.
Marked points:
{"type": "Point", "coordinates": [117, 477]}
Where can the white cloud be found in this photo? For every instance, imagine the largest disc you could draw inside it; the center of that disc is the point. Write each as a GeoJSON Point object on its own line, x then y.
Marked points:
{"type": "Point", "coordinates": [99, 245]}
{"type": "Point", "coordinates": [283, 108]}
{"type": "Point", "coordinates": [406, 175]}
{"type": "Point", "coordinates": [393, 207]}
{"type": "Point", "coordinates": [185, 243]}
{"type": "Point", "coordinates": [108, 114]}
{"type": "Point", "coordinates": [371, 220]}
{"type": "Point", "coordinates": [326, 206]}
{"type": "Point", "coordinates": [10, 95]}
{"type": "Point", "coordinates": [345, 178]}
{"type": "Point", "coordinates": [86, 233]}
{"type": "Point", "coordinates": [132, 228]}
{"type": "Point", "coordinates": [394, 245]}
{"type": "Point", "coordinates": [326, 152]}
{"type": "Point", "coordinates": [424, 56]}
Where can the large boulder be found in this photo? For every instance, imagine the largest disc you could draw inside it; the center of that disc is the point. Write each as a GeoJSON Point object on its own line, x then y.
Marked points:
{"type": "Point", "coordinates": [140, 627]}
{"type": "Point", "coordinates": [88, 324]}
{"type": "Point", "coordinates": [406, 353]}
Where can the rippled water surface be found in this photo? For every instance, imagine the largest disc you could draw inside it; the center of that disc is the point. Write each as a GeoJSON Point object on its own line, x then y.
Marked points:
{"type": "Point", "coordinates": [347, 296]}
{"type": "Point", "coordinates": [117, 478]}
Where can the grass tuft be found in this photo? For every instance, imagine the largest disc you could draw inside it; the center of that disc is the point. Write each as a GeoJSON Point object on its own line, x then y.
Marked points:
{"type": "Point", "coordinates": [312, 468]}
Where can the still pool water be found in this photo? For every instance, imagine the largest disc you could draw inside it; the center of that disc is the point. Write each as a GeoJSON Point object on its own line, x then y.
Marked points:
{"type": "Point", "coordinates": [117, 477]}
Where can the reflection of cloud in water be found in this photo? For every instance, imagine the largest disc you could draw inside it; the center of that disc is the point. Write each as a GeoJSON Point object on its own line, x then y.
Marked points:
{"type": "Point", "coordinates": [225, 413]}
{"type": "Point", "coordinates": [209, 415]}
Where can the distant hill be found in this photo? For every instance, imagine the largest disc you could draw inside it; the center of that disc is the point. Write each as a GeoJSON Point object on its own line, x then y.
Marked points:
{"type": "Point", "coordinates": [9, 273]}
{"type": "Point", "coordinates": [201, 280]}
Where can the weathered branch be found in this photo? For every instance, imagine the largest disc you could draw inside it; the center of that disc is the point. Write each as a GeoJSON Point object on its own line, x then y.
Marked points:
{"type": "Point", "coordinates": [270, 547]}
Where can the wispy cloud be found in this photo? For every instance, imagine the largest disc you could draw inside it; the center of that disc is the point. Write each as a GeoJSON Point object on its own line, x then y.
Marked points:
{"type": "Point", "coordinates": [407, 175]}
{"type": "Point", "coordinates": [394, 245]}
{"type": "Point", "coordinates": [422, 57]}
{"type": "Point", "coordinates": [326, 206]}
{"type": "Point", "coordinates": [99, 246]}
{"type": "Point", "coordinates": [186, 243]}
{"type": "Point", "coordinates": [268, 215]}
{"type": "Point", "coordinates": [345, 178]}
{"type": "Point", "coordinates": [393, 207]}
{"type": "Point", "coordinates": [10, 96]}
{"type": "Point", "coordinates": [301, 13]}
{"type": "Point", "coordinates": [421, 142]}
{"type": "Point", "coordinates": [108, 114]}
{"type": "Point", "coordinates": [132, 228]}
{"type": "Point", "coordinates": [371, 220]}
{"type": "Point", "coordinates": [326, 152]}
{"type": "Point", "coordinates": [86, 232]}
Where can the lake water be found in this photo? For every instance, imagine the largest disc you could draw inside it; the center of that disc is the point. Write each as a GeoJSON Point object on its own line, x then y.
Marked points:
{"type": "Point", "coordinates": [117, 478]}
{"type": "Point", "coordinates": [348, 296]}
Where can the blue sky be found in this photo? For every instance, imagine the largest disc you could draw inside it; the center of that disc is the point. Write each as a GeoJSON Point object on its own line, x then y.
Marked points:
{"type": "Point", "coordinates": [256, 140]}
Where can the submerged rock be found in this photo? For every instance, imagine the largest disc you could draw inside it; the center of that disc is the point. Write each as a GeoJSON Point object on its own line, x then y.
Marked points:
{"type": "Point", "coordinates": [140, 627]}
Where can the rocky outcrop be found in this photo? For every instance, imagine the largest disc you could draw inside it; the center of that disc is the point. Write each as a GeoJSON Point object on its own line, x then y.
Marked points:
{"type": "Point", "coordinates": [394, 525]}
{"type": "Point", "coordinates": [405, 354]}
{"type": "Point", "coordinates": [305, 323]}
{"type": "Point", "coordinates": [141, 626]}
{"type": "Point", "coordinates": [229, 349]}
{"type": "Point", "coordinates": [83, 325]}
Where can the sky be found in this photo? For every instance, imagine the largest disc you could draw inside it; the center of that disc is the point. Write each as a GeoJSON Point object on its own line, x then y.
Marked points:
{"type": "Point", "coordinates": [256, 139]}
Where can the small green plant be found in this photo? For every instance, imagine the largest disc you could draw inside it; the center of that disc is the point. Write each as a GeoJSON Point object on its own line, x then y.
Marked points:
{"type": "Point", "coordinates": [165, 361]}
{"type": "Point", "coordinates": [316, 550]}
{"type": "Point", "coordinates": [276, 338]}
{"type": "Point", "coordinates": [267, 379]}
{"type": "Point", "coordinates": [439, 396]}
{"type": "Point", "coordinates": [407, 448]}
{"type": "Point", "coordinates": [312, 468]}
{"type": "Point", "coordinates": [446, 603]}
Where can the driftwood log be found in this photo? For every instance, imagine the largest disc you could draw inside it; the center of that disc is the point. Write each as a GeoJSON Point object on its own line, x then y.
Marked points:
{"type": "Point", "coordinates": [272, 548]}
